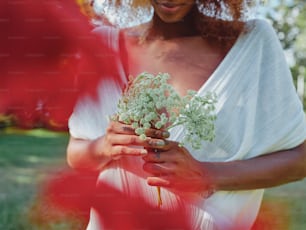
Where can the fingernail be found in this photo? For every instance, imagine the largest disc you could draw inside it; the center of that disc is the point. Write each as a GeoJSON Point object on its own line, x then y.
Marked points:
{"type": "Point", "coordinates": [157, 143]}
{"type": "Point", "coordinates": [165, 134]}
{"type": "Point", "coordinates": [143, 152]}
{"type": "Point", "coordinates": [127, 129]}
{"type": "Point", "coordinates": [160, 143]}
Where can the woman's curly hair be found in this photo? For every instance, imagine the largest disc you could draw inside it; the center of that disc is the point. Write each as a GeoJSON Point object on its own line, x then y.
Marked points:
{"type": "Point", "coordinates": [215, 19]}
{"type": "Point", "coordinates": [221, 19]}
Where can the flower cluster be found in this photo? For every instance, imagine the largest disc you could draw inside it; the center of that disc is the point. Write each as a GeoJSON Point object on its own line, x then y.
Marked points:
{"type": "Point", "coordinates": [197, 116]}
{"type": "Point", "coordinates": [150, 102]}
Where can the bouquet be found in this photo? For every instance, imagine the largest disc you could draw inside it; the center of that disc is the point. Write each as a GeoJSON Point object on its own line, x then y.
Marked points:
{"type": "Point", "coordinates": [149, 101]}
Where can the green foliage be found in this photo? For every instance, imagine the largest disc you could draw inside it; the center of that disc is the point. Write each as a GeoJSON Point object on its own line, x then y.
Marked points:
{"type": "Point", "coordinates": [284, 207]}
{"type": "Point", "coordinates": [25, 163]}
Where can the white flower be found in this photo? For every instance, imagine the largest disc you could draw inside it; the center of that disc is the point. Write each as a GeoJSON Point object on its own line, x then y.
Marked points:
{"type": "Point", "coordinates": [150, 102]}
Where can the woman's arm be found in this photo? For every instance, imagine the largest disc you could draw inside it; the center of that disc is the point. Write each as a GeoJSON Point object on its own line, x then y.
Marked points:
{"type": "Point", "coordinates": [261, 172]}
{"type": "Point", "coordinates": [86, 154]}
{"type": "Point", "coordinates": [176, 169]}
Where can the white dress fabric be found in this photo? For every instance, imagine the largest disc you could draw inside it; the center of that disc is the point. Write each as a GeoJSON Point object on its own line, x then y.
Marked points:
{"type": "Point", "coordinates": [258, 112]}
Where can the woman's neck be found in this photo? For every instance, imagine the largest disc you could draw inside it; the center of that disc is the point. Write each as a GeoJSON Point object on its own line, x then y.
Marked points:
{"type": "Point", "coordinates": [183, 28]}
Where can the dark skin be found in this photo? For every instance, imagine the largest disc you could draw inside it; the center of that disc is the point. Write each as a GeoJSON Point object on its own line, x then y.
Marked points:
{"type": "Point", "coordinates": [174, 167]}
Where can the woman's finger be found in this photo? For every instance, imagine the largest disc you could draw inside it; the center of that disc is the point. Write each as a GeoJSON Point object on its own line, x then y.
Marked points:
{"type": "Point", "coordinates": [121, 150]}
{"type": "Point", "coordinates": [156, 133]}
{"type": "Point", "coordinates": [158, 156]}
{"type": "Point", "coordinates": [120, 128]}
{"type": "Point", "coordinates": [160, 168]}
{"type": "Point", "coordinates": [125, 139]}
{"type": "Point", "coordinates": [162, 181]}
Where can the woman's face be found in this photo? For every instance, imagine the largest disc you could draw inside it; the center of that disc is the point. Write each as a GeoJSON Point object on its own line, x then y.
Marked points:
{"type": "Point", "coordinates": [172, 10]}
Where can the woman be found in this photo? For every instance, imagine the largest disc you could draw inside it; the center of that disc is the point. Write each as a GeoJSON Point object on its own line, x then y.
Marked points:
{"type": "Point", "coordinates": [260, 126]}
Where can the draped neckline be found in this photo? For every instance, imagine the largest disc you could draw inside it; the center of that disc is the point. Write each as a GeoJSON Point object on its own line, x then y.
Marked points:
{"type": "Point", "coordinates": [232, 54]}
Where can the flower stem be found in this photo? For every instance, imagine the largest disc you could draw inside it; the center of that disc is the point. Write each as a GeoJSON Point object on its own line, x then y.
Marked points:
{"type": "Point", "coordinates": [160, 202]}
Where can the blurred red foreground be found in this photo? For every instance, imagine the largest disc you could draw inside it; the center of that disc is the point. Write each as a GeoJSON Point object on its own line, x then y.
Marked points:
{"type": "Point", "coordinates": [48, 58]}
{"type": "Point", "coordinates": [75, 192]}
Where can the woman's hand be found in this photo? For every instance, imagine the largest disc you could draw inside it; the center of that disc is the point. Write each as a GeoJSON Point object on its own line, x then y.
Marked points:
{"type": "Point", "coordinates": [121, 140]}
{"type": "Point", "coordinates": [173, 167]}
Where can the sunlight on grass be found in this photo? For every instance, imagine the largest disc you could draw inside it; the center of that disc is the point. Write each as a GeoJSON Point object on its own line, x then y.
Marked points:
{"type": "Point", "coordinates": [33, 132]}
{"type": "Point", "coordinates": [33, 159]}
{"type": "Point", "coordinates": [23, 179]}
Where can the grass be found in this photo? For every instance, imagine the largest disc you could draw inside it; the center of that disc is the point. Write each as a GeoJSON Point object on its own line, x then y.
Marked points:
{"type": "Point", "coordinates": [284, 207]}
{"type": "Point", "coordinates": [27, 159]}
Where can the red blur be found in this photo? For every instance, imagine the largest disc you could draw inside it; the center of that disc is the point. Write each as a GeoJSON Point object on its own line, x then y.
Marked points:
{"type": "Point", "coordinates": [48, 59]}
{"type": "Point", "coordinates": [74, 193]}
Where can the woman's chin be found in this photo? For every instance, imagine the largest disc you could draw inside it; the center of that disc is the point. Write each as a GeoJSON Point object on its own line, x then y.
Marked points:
{"type": "Point", "coordinates": [171, 19]}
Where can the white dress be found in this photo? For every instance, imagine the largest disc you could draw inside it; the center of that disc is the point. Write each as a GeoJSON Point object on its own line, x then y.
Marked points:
{"type": "Point", "coordinates": [258, 112]}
